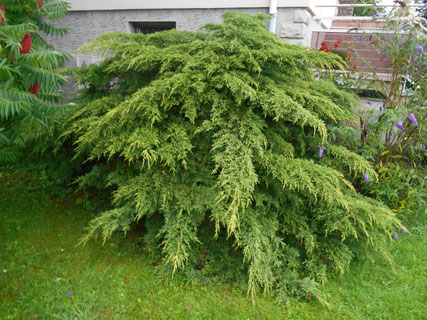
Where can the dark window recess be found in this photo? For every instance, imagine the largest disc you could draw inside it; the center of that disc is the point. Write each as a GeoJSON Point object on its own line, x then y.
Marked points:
{"type": "Point", "coordinates": [152, 27]}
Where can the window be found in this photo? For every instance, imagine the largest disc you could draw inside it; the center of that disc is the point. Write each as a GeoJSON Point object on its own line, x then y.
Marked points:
{"type": "Point", "coordinates": [151, 27]}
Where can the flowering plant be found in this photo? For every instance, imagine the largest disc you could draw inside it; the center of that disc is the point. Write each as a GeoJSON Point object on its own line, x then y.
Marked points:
{"type": "Point", "coordinates": [393, 136]}
{"type": "Point", "coordinates": [344, 55]}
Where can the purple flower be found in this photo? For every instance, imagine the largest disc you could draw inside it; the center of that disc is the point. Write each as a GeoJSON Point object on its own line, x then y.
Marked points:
{"type": "Point", "coordinates": [404, 230]}
{"type": "Point", "coordinates": [424, 6]}
{"type": "Point", "coordinates": [374, 16]}
{"type": "Point", "coordinates": [419, 48]}
{"type": "Point", "coordinates": [70, 293]}
{"type": "Point", "coordinates": [366, 177]}
{"type": "Point", "coordinates": [399, 124]}
{"type": "Point", "coordinates": [320, 151]}
{"type": "Point", "coordinates": [412, 118]}
{"type": "Point", "coordinates": [396, 236]}
{"type": "Point", "coordinates": [358, 38]}
{"type": "Point", "coordinates": [360, 77]}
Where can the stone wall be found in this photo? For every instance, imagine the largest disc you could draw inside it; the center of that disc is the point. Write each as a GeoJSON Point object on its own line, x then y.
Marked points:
{"type": "Point", "coordinates": [295, 25]}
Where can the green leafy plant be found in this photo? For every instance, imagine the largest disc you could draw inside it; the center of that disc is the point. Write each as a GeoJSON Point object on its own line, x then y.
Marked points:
{"type": "Point", "coordinates": [29, 75]}
{"type": "Point", "coordinates": [368, 11]}
{"type": "Point", "coordinates": [393, 136]}
{"type": "Point", "coordinates": [217, 142]}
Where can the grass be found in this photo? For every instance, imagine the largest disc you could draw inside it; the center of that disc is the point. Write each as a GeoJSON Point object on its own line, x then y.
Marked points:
{"type": "Point", "coordinates": [44, 275]}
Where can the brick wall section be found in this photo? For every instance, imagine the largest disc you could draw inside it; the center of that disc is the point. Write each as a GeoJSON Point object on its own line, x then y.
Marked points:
{"type": "Point", "coordinates": [364, 47]}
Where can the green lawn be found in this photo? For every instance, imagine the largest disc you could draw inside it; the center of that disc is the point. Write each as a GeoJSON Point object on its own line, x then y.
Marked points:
{"type": "Point", "coordinates": [44, 275]}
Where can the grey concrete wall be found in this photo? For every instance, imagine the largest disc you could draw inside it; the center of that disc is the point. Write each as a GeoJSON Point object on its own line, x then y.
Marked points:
{"type": "Point", "coordinates": [293, 25]}
{"type": "Point", "coordinates": [86, 25]}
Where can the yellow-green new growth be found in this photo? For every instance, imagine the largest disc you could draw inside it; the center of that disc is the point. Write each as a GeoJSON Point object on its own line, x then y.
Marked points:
{"type": "Point", "coordinates": [209, 139]}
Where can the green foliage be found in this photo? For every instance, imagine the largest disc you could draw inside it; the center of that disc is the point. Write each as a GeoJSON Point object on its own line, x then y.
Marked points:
{"type": "Point", "coordinates": [392, 137]}
{"type": "Point", "coordinates": [24, 113]}
{"type": "Point", "coordinates": [403, 188]}
{"type": "Point", "coordinates": [368, 11]}
{"type": "Point", "coordinates": [211, 137]}
{"type": "Point", "coordinates": [39, 231]}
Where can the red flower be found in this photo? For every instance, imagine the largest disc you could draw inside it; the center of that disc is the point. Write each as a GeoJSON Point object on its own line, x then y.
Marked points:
{"type": "Point", "coordinates": [336, 45]}
{"type": "Point", "coordinates": [3, 14]}
{"type": "Point", "coordinates": [34, 89]}
{"type": "Point", "coordinates": [26, 44]}
{"type": "Point", "coordinates": [352, 66]}
{"type": "Point", "coordinates": [40, 3]}
{"type": "Point", "coordinates": [324, 47]}
{"type": "Point", "coordinates": [339, 40]}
